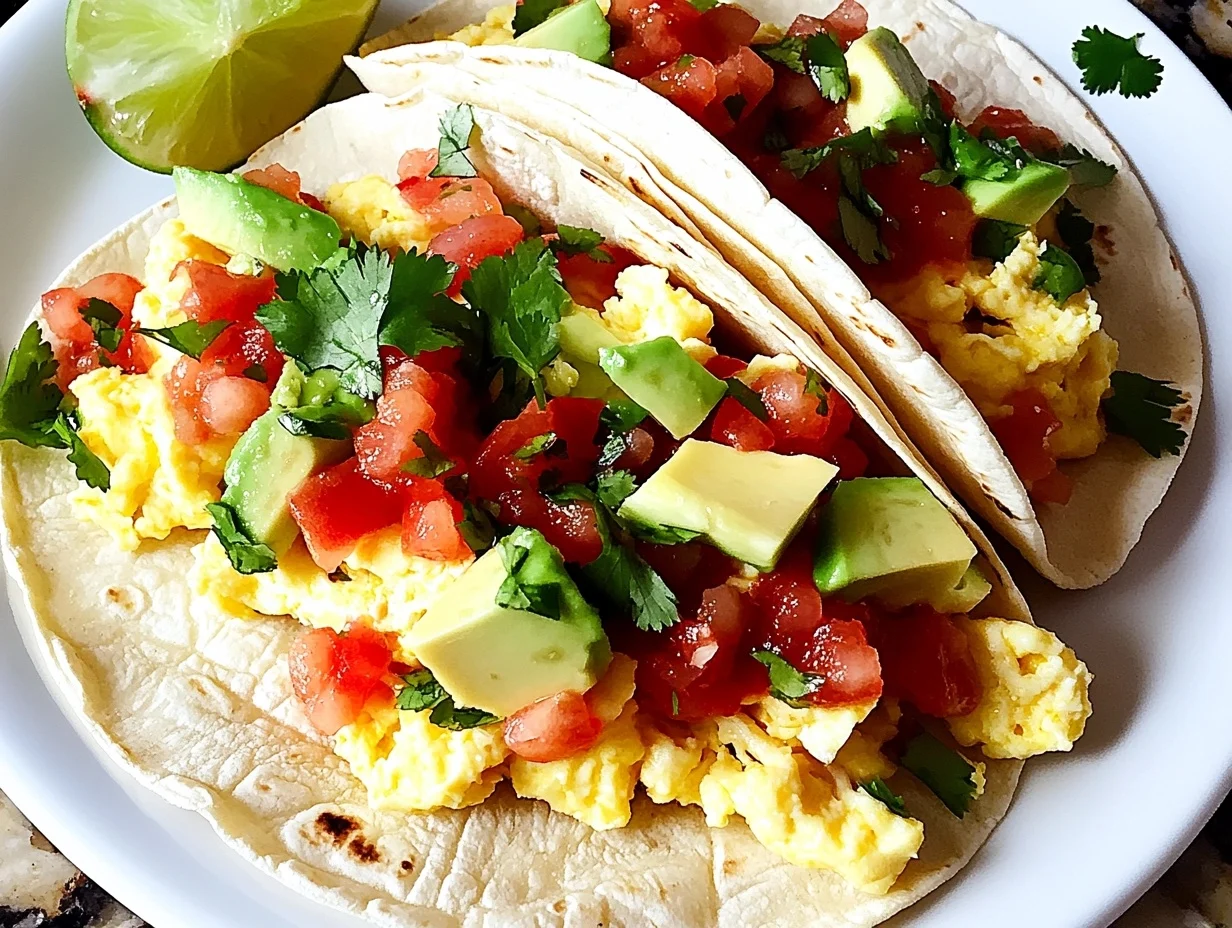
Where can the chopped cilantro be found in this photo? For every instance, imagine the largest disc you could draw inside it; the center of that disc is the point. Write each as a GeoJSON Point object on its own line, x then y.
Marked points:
{"type": "Point", "coordinates": [247, 556]}
{"type": "Point", "coordinates": [980, 159]}
{"type": "Point", "coordinates": [330, 420]}
{"type": "Point", "coordinates": [622, 415]}
{"type": "Point", "coordinates": [675, 703]}
{"type": "Point", "coordinates": [1085, 170]}
{"type": "Point", "coordinates": [879, 790]}
{"type": "Point", "coordinates": [520, 591]}
{"type": "Point", "coordinates": [860, 232]}
{"type": "Point", "coordinates": [787, 51]}
{"type": "Point", "coordinates": [459, 718]}
{"type": "Point", "coordinates": [29, 397]}
{"type": "Point", "coordinates": [787, 684]}
{"type": "Point", "coordinates": [996, 240]}
{"type": "Point", "coordinates": [949, 775]}
{"type": "Point", "coordinates": [826, 67]}
{"type": "Point", "coordinates": [521, 298]}
{"type": "Point", "coordinates": [934, 126]}
{"type": "Point", "coordinates": [735, 105]}
{"type": "Point", "coordinates": [1111, 62]}
{"type": "Point", "coordinates": [660, 534]}
{"type": "Point", "coordinates": [420, 316]}
{"type": "Point", "coordinates": [457, 125]}
{"type": "Point", "coordinates": [530, 13]}
{"type": "Point", "coordinates": [421, 691]}
{"type": "Point", "coordinates": [477, 528]}
{"type": "Point", "coordinates": [867, 147]}
{"type": "Point", "coordinates": [1059, 274]}
{"type": "Point", "coordinates": [433, 462]}
{"type": "Point", "coordinates": [537, 445]}
{"type": "Point", "coordinates": [1141, 408]}
{"type": "Point", "coordinates": [1076, 232]}
{"type": "Point", "coordinates": [686, 61]}
{"type": "Point", "coordinates": [88, 467]}
{"type": "Point", "coordinates": [190, 337]}
{"type": "Point", "coordinates": [104, 320]}
{"type": "Point", "coordinates": [703, 5]}
{"type": "Point", "coordinates": [573, 240]}
{"type": "Point", "coordinates": [815, 386]}
{"type": "Point", "coordinates": [747, 397]}
{"type": "Point", "coordinates": [614, 488]}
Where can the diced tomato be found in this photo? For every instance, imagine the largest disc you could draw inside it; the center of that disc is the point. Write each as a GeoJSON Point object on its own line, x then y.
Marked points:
{"type": "Point", "coordinates": [736, 426]}
{"type": "Point", "coordinates": [592, 283]}
{"type": "Point", "coordinates": [278, 179]}
{"type": "Point", "coordinates": [574, 421]}
{"type": "Point", "coordinates": [334, 676]}
{"type": "Point", "coordinates": [215, 293]}
{"type": "Point", "coordinates": [801, 421]}
{"type": "Point", "coordinates": [230, 404]}
{"type": "Point", "coordinates": [1024, 439]}
{"type": "Point", "coordinates": [553, 728]}
{"type": "Point", "coordinates": [850, 458]}
{"type": "Point", "coordinates": [637, 62]}
{"type": "Point", "coordinates": [949, 102]}
{"type": "Point", "coordinates": [723, 30]}
{"type": "Point", "coordinates": [430, 523]}
{"type": "Point", "coordinates": [571, 527]}
{"type": "Point", "coordinates": [805, 25]}
{"type": "Point", "coordinates": [71, 338]}
{"type": "Point", "coordinates": [926, 660]}
{"type": "Point", "coordinates": [339, 506]}
{"type": "Point", "coordinates": [386, 443]}
{"type": "Point", "coordinates": [788, 606]}
{"type": "Point", "coordinates": [723, 366]}
{"type": "Point", "coordinates": [1006, 123]}
{"type": "Point", "coordinates": [470, 241]}
{"type": "Point", "coordinates": [689, 569]}
{"type": "Point", "coordinates": [689, 82]}
{"type": "Point", "coordinates": [639, 447]}
{"type": "Point", "coordinates": [446, 201]}
{"type": "Point", "coordinates": [1057, 487]}
{"type": "Point", "coordinates": [742, 81]}
{"type": "Point", "coordinates": [848, 665]}
{"type": "Point", "coordinates": [417, 163]}
{"type": "Point", "coordinates": [847, 23]}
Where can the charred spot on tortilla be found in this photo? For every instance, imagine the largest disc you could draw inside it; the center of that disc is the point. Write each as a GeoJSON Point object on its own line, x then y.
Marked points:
{"type": "Point", "coordinates": [1039, 80]}
{"type": "Point", "coordinates": [1103, 238]}
{"type": "Point", "coordinates": [1009, 513]}
{"type": "Point", "coordinates": [364, 850]}
{"type": "Point", "coordinates": [637, 188]}
{"type": "Point", "coordinates": [407, 866]}
{"type": "Point", "coordinates": [678, 247]}
{"type": "Point", "coordinates": [336, 827]}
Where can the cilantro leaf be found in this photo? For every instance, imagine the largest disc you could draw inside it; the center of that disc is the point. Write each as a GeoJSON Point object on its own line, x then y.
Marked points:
{"type": "Point", "coordinates": [457, 125]}
{"type": "Point", "coordinates": [949, 775]}
{"type": "Point", "coordinates": [87, 464]}
{"type": "Point", "coordinates": [622, 415]}
{"type": "Point", "coordinates": [190, 337]}
{"type": "Point", "coordinates": [421, 691]}
{"type": "Point", "coordinates": [246, 555]}
{"type": "Point", "coordinates": [530, 13]}
{"type": "Point", "coordinates": [334, 419]}
{"type": "Point", "coordinates": [703, 5]}
{"type": "Point", "coordinates": [614, 488]}
{"type": "Point", "coordinates": [868, 148]}
{"type": "Point", "coordinates": [660, 534]}
{"type": "Point", "coordinates": [537, 445]}
{"type": "Point", "coordinates": [675, 703]}
{"type": "Point", "coordinates": [934, 126]}
{"type": "Point", "coordinates": [860, 233]}
{"type": "Point", "coordinates": [735, 105]}
{"type": "Point", "coordinates": [787, 51]}
{"type": "Point", "coordinates": [815, 386]}
{"type": "Point", "coordinates": [995, 239]}
{"type": "Point", "coordinates": [1141, 408]}
{"type": "Point", "coordinates": [977, 159]}
{"type": "Point", "coordinates": [1076, 232]}
{"type": "Point", "coordinates": [1059, 274]}
{"type": "Point", "coordinates": [1111, 62]}
{"type": "Point", "coordinates": [826, 67]}
{"type": "Point", "coordinates": [1085, 170]}
{"type": "Point", "coordinates": [573, 240]}
{"type": "Point", "coordinates": [521, 298]}
{"type": "Point", "coordinates": [477, 528]}
{"type": "Point", "coordinates": [433, 462]}
{"type": "Point", "coordinates": [747, 397]}
{"type": "Point", "coordinates": [104, 320]}
{"type": "Point", "coordinates": [459, 718]}
{"type": "Point", "coordinates": [880, 790]}
{"type": "Point", "coordinates": [419, 315]}
{"type": "Point", "coordinates": [521, 589]}
{"type": "Point", "coordinates": [787, 684]}
{"type": "Point", "coordinates": [29, 397]}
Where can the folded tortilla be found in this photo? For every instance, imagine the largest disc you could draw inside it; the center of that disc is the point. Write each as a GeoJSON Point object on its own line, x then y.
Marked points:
{"type": "Point", "coordinates": [672, 162]}
{"type": "Point", "coordinates": [198, 706]}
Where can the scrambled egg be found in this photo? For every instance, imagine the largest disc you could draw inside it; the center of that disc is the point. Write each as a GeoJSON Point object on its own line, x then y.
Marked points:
{"type": "Point", "coordinates": [647, 306]}
{"type": "Point", "coordinates": [157, 482]}
{"type": "Point", "coordinates": [820, 731]}
{"type": "Point", "coordinates": [372, 210]}
{"type": "Point", "coordinates": [996, 334]}
{"type": "Point", "coordinates": [496, 28]}
{"type": "Point", "coordinates": [408, 764]}
{"type": "Point", "coordinates": [392, 590]}
{"type": "Point", "coordinates": [1035, 691]}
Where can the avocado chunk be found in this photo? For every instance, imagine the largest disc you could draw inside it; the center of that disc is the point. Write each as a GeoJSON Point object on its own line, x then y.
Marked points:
{"type": "Point", "coordinates": [748, 503]}
{"type": "Point", "coordinates": [888, 89]}
{"type": "Point", "coordinates": [890, 539]}
{"type": "Point", "coordinates": [582, 337]}
{"type": "Point", "coordinates": [268, 463]}
{"type": "Point", "coordinates": [660, 376]}
{"type": "Point", "coordinates": [244, 218]}
{"type": "Point", "coordinates": [969, 593]}
{"type": "Point", "coordinates": [1023, 198]}
{"type": "Point", "coordinates": [579, 28]}
{"type": "Point", "coordinates": [487, 642]}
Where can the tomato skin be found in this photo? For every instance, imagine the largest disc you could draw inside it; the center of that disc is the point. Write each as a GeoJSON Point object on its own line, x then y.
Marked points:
{"type": "Point", "coordinates": [736, 426]}
{"type": "Point", "coordinates": [848, 664]}
{"type": "Point", "coordinates": [592, 283]}
{"type": "Point", "coordinates": [1024, 439]}
{"type": "Point", "coordinates": [385, 444]}
{"type": "Point", "coordinates": [571, 527]}
{"type": "Point", "coordinates": [430, 523]}
{"type": "Point", "coordinates": [742, 81]}
{"type": "Point", "coordinates": [787, 604]}
{"type": "Point", "coordinates": [230, 404]}
{"type": "Point", "coordinates": [337, 507]}
{"type": "Point", "coordinates": [417, 163]}
{"type": "Point", "coordinates": [280, 180]}
{"type": "Point", "coordinates": [927, 661]}
{"type": "Point", "coordinates": [472, 240]}
{"type": "Point", "coordinates": [71, 338]}
{"type": "Point", "coordinates": [722, 366]}
{"type": "Point", "coordinates": [575, 422]}
{"type": "Point", "coordinates": [691, 85]}
{"type": "Point", "coordinates": [334, 676]}
{"type": "Point", "coordinates": [796, 418]}
{"type": "Point", "coordinates": [553, 728]}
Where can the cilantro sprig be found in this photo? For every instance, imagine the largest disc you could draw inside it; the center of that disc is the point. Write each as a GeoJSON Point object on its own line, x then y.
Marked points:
{"type": "Point", "coordinates": [1059, 275]}
{"type": "Point", "coordinates": [1141, 408]}
{"type": "Point", "coordinates": [421, 691]}
{"type": "Point", "coordinates": [787, 683]}
{"type": "Point", "coordinates": [1077, 232]}
{"type": "Point", "coordinates": [949, 775]}
{"type": "Point", "coordinates": [1085, 170]}
{"type": "Point", "coordinates": [522, 551]}
{"type": "Point", "coordinates": [246, 555]}
{"type": "Point", "coordinates": [817, 56]}
{"type": "Point", "coordinates": [574, 240]}
{"type": "Point", "coordinates": [453, 151]}
{"type": "Point", "coordinates": [1111, 62]}
{"type": "Point", "coordinates": [189, 337]}
{"type": "Point", "coordinates": [996, 240]}
{"type": "Point", "coordinates": [880, 790]}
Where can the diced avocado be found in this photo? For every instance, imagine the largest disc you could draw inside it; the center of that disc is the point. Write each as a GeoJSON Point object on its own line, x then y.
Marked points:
{"type": "Point", "coordinates": [1024, 199]}
{"type": "Point", "coordinates": [749, 503]}
{"type": "Point", "coordinates": [582, 337]}
{"type": "Point", "coordinates": [890, 539]}
{"type": "Point", "coordinates": [268, 463]}
{"type": "Point", "coordinates": [244, 218]}
{"type": "Point", "coordinates": [579, 28]}
{"type": "Point", "coordinates": [660, 376]}
{"type": "Point", "coordinates": [969, 593]}
{"type": "Point", "coordinates": [502, 658]}
{"type": "Point", "coordinates": [888, 89]}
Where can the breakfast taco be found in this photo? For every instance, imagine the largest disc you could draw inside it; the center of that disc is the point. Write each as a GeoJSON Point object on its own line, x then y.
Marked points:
{"type": "Point", "coordinates": [418, 472]}
{"type": "Point", "coordinates": [910, 183]}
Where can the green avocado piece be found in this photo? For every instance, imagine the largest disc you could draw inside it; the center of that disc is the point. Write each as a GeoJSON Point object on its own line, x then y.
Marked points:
{"type": "Point", "coordinates": [1023, 199]}
{"type": "Point", "coordinates": [969, 593]}
{"type": "Point", "coordinates": [660, 377]}
{"type": "Point", "coordinates": [501, 658]}
{"type": "Point", "coordinates": [888, 89]}
{"type": "Point", "coordinates": [890, 539]}
{"type": "Point", "coordinates": [245, 218]}
{"type": "Point", "coordinates": [582, 337]}
{"type": "Point", "coordinates": [580, 28]}
{"type": "Point", "coordinates": [268, 463]}
{"type": "Point", "coordinates": [748, 503]}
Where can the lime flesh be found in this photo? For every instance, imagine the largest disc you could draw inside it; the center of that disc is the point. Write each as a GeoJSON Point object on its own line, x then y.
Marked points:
{"type": "Point", "coordinates": [204, 83]}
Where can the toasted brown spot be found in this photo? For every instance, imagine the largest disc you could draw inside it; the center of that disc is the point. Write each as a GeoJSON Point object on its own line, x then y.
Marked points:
{"type": "Point", "coordinates": [559, 906]}
{"type": "Point", "coordinates": [1103, 238]}
{"type": "Point", "coordinates": [921, 27]}
{"type": "Point", "coordinates": [1175, 264]}
{"type": "Point", "coordinates": [680, 248]}
{"type": "Point", "coordinates": [1039, 80]}
{"type": "Point", "coordinates": [637, 188]}
{"type": "Point", "coordinates": [336, 827]}
{"type": "Point", "coordinates": [730, 867]}
{"type": "Point", "coordinates": [407, 866]}
{"type": "Point", "coordinates": [1008, 514]}
{"type": "Point", "coordinates": [586, 175]}
{"type": "Point", "coordinates": [363, 850]}
{"type": "Point", "coordinates": [889, 342]}
{"type": "Point", "coordinates": [263, 787]}
{"type": "Point", "coordinates": [1184, 415]}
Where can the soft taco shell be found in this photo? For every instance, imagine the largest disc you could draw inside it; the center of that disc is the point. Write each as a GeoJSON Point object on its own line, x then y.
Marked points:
{"type": "Point", "coordinates": [1144, 298]}
{"type": "Point", "coordinates": [197, 705]}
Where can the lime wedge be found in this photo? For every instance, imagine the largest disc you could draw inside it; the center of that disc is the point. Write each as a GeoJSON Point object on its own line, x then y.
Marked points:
{"type": "Point", "coordinates": [204, 83]}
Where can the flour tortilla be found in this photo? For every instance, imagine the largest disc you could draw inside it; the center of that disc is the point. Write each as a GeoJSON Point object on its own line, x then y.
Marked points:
{"type": "Point", "coordinates": [198, 706]}
{"type": "Point", "coordinates": [1144, 299]}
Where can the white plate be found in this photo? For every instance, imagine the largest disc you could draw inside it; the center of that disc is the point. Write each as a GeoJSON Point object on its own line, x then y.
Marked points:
{"type": "Point", "coordinates": [1087, 832]}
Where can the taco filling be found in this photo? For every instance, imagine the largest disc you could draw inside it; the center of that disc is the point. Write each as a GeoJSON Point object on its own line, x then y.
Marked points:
{"type": "Point", "coordinates": [540, 524]}
{"type": "Point", "coordinates": [964, 229]}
